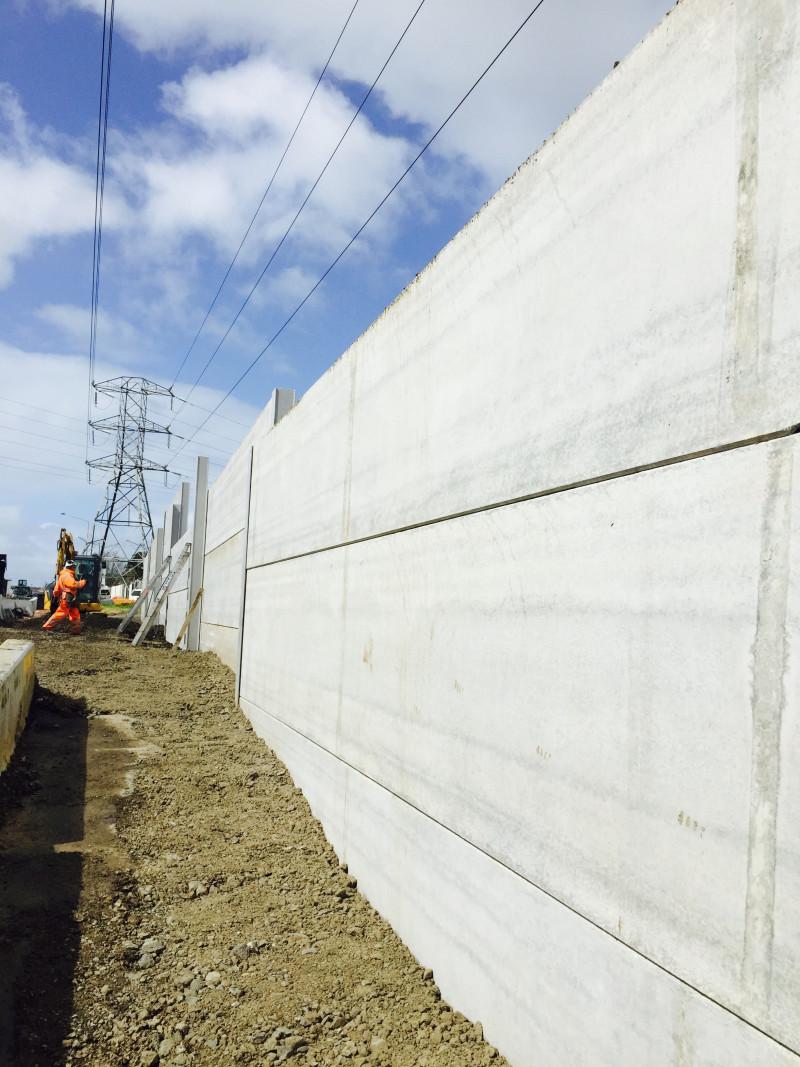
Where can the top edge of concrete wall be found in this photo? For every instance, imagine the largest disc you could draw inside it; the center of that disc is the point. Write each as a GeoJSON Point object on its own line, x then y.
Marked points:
{"type": "Point", "coordinates": [527, 162]}
{"type": "Point", "coordinates": [626, 298]}
{"type": "Point", "coordinates": [225, 516]}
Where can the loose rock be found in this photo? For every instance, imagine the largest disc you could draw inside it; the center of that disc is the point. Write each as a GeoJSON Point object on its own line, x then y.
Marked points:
{"type": "Point", "coordinates": [239, 938]}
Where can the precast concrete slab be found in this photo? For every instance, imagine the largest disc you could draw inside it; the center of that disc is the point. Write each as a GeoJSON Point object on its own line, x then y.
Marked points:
{"type": "Point", "coordinates": [17, 605]}
{"type": "Point", "coordinates": [16, 692]}
{"type": "Point", "coordinates": [225, 513]}
{"type": "Point", "coordinates": [223, 641]}
{"type": "Point", "coordinates": [292, 651]}
{"type": "Point", "coordinates": [226, 494]}
{"type": "Point", "coordinates": [177, 603]}
{"type": "Point", "coordinates": [224, 537]}
{"type": "Point", "coordinates": [580, 686]}
{"type": "Point", "coordinates": [522, 608]}
{"type": "Point", "coordinates": [221, 598]}
{"type": "Point", "coordinates": [594, 317]}
{"type": "Point", "coordinates": [775, 804]}
{"type": "Point", "coordinates": [300, 473]}
{"type": "Point", "coordinates": [549, 987]}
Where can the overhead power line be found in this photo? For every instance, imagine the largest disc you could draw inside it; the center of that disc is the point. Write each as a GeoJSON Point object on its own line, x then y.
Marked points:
{"type": "Point", "coordinates": [99, 185]}
{"type": "Point", "coordinates": [33, 429]}
{"type": "Point", "coordinates": [317, 180]}
{"type": "Point", "coordinates": [27, 432]}
{"type": "Point", "coordinates": [40, 448]}
{"type": "Point", "coordinates": [47, 411]}
{"type": "Point", "coordinates": [227, 418]}
{"type": "Point", "coordinates": [40, 468]}
{"type": "Point", "coordinates": [69, 448]}
{"type": "Point", "coordinates": [370, 217]}
{"type": "Point", "coordinates": [266, 192]}
{"type": "Point", "coordinates": [213, 433]}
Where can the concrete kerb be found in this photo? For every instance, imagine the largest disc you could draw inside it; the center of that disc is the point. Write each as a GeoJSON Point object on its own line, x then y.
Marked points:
{"type": "Point", "coordinates": [16, 693]}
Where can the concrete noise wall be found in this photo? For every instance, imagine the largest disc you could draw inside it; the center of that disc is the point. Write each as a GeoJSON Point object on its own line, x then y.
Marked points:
{"type": "Point", "coordinates": [168, 541]}
{"type": "Point", "coordinates": [228, 513]}
{"type": "Point", "coordinates": [522, 604]}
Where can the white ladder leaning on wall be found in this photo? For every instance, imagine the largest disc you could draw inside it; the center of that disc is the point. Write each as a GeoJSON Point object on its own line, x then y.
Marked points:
{"type": "Point", "coordinates": [156, 594]}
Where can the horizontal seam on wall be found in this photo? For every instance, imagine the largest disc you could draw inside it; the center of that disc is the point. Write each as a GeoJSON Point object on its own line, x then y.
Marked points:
{"type": "Point", "coordinates": [538, 888]}
{"type": "Point", "coordinates": [220, 625]}
{"type": "Point", "coordinates": [598, 480]}
{"type": "Point", "coordinates": [209, 551]}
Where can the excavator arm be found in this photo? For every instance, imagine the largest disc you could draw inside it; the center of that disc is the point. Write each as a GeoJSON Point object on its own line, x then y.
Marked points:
{"type": "Point", "coordinates": [65, 550]}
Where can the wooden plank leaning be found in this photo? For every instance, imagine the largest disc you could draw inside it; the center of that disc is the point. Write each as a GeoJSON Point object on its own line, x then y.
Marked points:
{"type": "Point", "coordinates": [187, 620]}
{"type": "Point", "coordinates": [149, 618]}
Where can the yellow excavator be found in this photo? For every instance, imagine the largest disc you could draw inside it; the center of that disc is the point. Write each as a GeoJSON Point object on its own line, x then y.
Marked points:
{"type": "Point", "coordinates": [87, 567]}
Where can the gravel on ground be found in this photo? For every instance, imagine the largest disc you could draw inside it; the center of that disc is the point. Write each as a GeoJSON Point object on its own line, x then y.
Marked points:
{"type": "Point", "coordinates": [167, 896]}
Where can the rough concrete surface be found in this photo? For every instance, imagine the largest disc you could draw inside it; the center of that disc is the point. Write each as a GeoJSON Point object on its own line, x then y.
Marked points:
{"type": "Point", "coordinates": [569, 685]}
{"type": "Point", "coordinates": [16, 690]}
{"type": "Point", "coordinates": [167, 896]}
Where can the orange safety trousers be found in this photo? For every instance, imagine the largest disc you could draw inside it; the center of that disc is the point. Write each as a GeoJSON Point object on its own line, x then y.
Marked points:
{"type": "Point", "coordinates": [64, 612]}
{"type": "Point", "coordinates": [66, 583]}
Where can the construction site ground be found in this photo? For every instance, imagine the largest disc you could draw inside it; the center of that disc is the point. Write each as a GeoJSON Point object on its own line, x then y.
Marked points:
{"type": "Point", "coordinates": [166, 895]}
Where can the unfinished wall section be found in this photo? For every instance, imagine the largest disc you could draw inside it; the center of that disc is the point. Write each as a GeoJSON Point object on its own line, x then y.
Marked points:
{"type": "Point", "coordinates": [522, 608]}
{"type": "Point", "coordinates": [168, 542]}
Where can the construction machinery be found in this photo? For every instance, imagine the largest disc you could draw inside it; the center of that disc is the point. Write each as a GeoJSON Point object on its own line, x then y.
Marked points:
{"type": "Point", "coordinates": [86, 567]}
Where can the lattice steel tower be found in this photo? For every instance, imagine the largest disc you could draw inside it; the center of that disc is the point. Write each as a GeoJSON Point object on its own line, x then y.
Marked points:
{"type": "Point", "coordinates": [126, 506]}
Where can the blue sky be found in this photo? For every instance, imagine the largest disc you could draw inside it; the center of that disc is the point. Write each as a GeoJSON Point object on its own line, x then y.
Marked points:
{"type": "Point", "coordinates": [204, 97]}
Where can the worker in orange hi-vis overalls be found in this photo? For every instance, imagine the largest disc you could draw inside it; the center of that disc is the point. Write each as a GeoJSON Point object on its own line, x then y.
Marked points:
{"type": "Point", "coordinates": [67, 586]}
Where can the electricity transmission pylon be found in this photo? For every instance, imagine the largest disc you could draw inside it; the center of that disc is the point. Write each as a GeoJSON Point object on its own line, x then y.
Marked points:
{"type": "Point", "coordinates": [126, 505]}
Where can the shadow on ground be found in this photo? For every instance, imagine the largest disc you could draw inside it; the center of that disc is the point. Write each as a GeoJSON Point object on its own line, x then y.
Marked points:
{"type": "Point", "coordinates": [42, 795]}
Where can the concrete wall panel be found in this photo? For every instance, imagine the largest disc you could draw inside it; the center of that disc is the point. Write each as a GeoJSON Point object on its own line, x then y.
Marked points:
{"type": "Point", "coordinates": [226, 502]}
{"type": "Point", "coordinates": [550, 988]}
{"type": "Point", "coordinates": [227, 494]}
{"type": "Point", "coordinates": [557, 739]}
{"type": "Point", "coordinates": [222, 641]}
{"type": "Point", "coordinates": [222, 583]}
{"type": "Point", "coordinates": [292, 650]}
{"type": "Point", "coordinates": [177, 603]}
{"type": "Point", "coordinates": [221, 598]}
{"type": "Point", "coordinates": [299, 473]}
{"type": "Point", "coordinates": [595, 316]}
{"type": "Point", "coordinates": [564, 682]}
{"type": "Point", "coordinates": [780, 954]}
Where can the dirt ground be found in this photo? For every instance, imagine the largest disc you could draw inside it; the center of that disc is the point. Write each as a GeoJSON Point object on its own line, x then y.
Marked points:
{"type": "Point", "coordinates": [166, 895]}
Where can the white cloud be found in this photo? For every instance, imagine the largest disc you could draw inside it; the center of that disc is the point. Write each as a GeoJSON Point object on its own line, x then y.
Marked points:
{"type": "Point", "coordinates": [285, 289]}
{"type": "Point", "coordinates": [181, 24]}
{"type": "Point", "coordinates": [40, 196]}
{"type": "Point", "coordinates": [183, 184]}
{"type": "Point", "coordinates": [9, 513]}
{"type": "Point", "coordinates": [244, 115]}
{"type": "Point", "coordinates": [560, 56]}
{"type": "Point", "coordinates": [185, 189]}
{"type": "Point", "coordinates": [72, 322]}
{"type": "Point", "coordinates": [255, 96]}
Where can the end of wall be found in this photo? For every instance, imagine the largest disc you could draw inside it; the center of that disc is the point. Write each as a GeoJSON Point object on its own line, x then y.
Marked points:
{"type": "Point", "coordinates": [16, 693]}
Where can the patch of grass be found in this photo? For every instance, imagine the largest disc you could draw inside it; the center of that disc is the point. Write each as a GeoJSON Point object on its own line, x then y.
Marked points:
{"type": "Point", "coordinates": [117, 609]}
